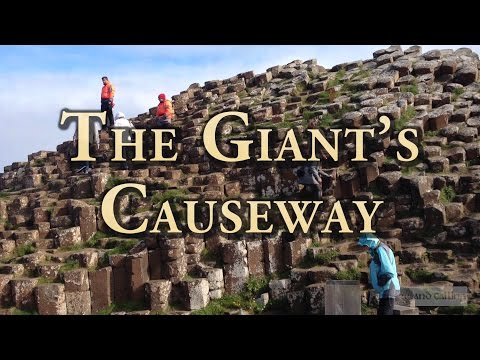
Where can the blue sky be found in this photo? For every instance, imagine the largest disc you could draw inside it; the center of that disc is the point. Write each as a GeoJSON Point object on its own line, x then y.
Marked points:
{"type": "Point", "coordinates": [36, 82]}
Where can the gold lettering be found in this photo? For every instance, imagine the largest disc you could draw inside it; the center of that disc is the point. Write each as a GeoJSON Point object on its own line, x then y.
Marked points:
{"type": "Point", "coordinates": [337, 208]}
{"type": "Point", "coordinates": [169, 219]}
{"type": "Point", "coordinates": [367, 218]}
{"type": "Point", "coordinates": [264, 145]}
{"type": "Point", "coordinates": [332, 151]}
{"type": "Point", "coordinates": [211, 144]}
{"type": "Point", "coordinates": [299, 214]}
{"type": "Point", "coordinates": [292, 140]}
{"type": "Point", "coordinates": [138, 145]}
{"type": "Point", "coordinates": [254, 216]}
{"type": "Point", "coordinates": [83, 131]}
{"type": "Point", "coordinates": [237, 221]}
{"type": "Point", "coordinates": [408, 144]}
{"type": "Point", "coordinates": [359, 141]}
{"type": "Point", "coordinates": [108, 213]}
{"type": "Point", "coordinates": [191, 216]}
{"type": "Point", "coordinates": [169, 145]}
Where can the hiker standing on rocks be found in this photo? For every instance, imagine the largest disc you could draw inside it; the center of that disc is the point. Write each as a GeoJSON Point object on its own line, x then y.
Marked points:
{"type": "Point", "coordinates": [383, 272]}
{"type": "Point", "coordinates": [94, 144]}
{"type": "Point", "coordinates": [164, 113]}
{"type": "Point", "coordinates": [122, 123]}
{"type": "Point", "coordinates": [106, 99]}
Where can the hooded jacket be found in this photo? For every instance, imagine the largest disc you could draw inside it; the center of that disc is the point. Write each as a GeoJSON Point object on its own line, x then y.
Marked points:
{"type": "Point", "coordinates": [165, 107]}
{"type": "Point", "coordinates": [121, 122]}
{"type": "Point", "coordinates": [383, 270]}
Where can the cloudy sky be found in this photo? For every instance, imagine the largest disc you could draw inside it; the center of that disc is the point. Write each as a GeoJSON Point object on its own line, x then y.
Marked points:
{"type": "Point", "coordinates": [36, 82]}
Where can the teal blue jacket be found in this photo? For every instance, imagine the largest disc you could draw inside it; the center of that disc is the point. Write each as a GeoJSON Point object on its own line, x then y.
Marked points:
{"type": "Point", "coordinates": [383, 270]}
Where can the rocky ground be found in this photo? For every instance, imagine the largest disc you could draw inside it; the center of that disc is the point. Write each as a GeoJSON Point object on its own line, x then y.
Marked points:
{"type": "Point", "coordinates": [57, 256]}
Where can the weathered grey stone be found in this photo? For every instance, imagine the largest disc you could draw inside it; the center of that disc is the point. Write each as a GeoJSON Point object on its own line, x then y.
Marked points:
{"type": "Point", "coordinates": [158, 294]}
{"type": "Point", "coordinates": [466, 75]}
{"type": "Point", "coordinates": [431, 151]}
{"type": "Point", "coordinates": [384, 59]}
{"type": "Point", "coordinates": [273, 252]}
{"type": "Point", "coordinates": [214, 277]}
{"type": "Point", "coordinates": [424, 67]}
{"type": "Point", "coordinates": [236, 266]}
{"type": "Point", "coordinates": [5, 291]}
{"type": "Point", "coordinates": [50, 299]}
{"type": "Point", "coordinates": [23, 293]}
{"type": "Point", "coordinates": [432, 55]}
{"type": "Point", "coordinates": [196, 292]}
{"type": "Point", "coordinates": [456, 155]}
{"type": "Point", "coordinates": [296, 302]}
{"type": "Point", "coordinates": [392, 111]}
{"type": "Point", "coordinates": [467, 134]}
{"type": "Point", "coordinates": [460, 115]}
{"type": "Point", "coordinates": [295, 251]}
{"type": "Point", "coordinates": [101, 286]}
{"type": "Point", "coordinates": [78, 303]}
{"type": "Point", "coordinates": [438, 164]}
{"type": "Point", "coordinates": [315, 298]}
{"type": "Point", "coordinates": [137, 272]}
{"type": "Point", "coordinates": [76, 280]}
{"type": "Point", "coordinates": [14, 269]}
{"type": "Point", "coordinates": [369, 113]}
{"type": "Point", "coordinates": [454, 211]}
{"type": "Point", "coordinates": [388, 181]}
{"type": "Point", "coordinates": [472, 151]}
{"type": "Point", "coordinates": [413, 254]}
{"type": "Point", "coordinates": [255, 258]}
{"type": "Point", "coordinates": [353, 119]}
{"type": "Point", "coordinates": [7, 247]}
{"type": "Point", "coordinates": [321, 273]}
{"type": "Point", "coordinates": [67, 237]}
{"type": "Point", "coordinates": [279, 288]}
{"type": "Point", "coordinates": [431, 197]}
{"type": "Point", "coordinates": [99, 183]}
{"type": "Point", "coordinates": [410, 226]}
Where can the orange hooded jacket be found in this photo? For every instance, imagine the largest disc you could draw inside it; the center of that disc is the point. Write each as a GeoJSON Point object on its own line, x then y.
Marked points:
{"type": "Point", "coordinates": [165, 107]}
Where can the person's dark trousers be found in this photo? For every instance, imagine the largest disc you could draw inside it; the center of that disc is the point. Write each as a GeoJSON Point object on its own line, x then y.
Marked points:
{"type": "Point", "coordinates": [126, 155]}
{"type": "Point", "coordinates": [162, 122]}
{"type": "Point", "coordinates": [106, 105]}
{"type": "Point", "coordinates": [385, 307]}
{"type": "Point", "coordinates": [315, 190]}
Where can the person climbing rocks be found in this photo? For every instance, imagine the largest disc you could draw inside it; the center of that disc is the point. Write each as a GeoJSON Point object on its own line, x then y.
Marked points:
{"type": "Point", "coordinates": [383, 272]}
{"type": "Point", "coordinates": [94, 144]}
{"type": "Point", "coordinates": [122, 123]}
{"type": "Point", "coordinates": [165, 112]}
{"type": "Point", "coordinates": [309, 175]}
{"type": "Point", "coordinates": [106, 100]}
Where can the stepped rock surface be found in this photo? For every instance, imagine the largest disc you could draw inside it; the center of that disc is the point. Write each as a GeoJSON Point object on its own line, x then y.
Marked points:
{"type": "Point", "coordinates": [57, 256]}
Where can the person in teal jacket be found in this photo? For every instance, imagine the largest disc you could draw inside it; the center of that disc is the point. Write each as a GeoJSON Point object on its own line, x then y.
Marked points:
{"type": "Point", "coordinates": [383, 272]}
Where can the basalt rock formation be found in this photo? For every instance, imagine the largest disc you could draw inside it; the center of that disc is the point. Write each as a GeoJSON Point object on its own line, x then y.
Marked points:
{"type": "Point", "coordinates": [57, 256]}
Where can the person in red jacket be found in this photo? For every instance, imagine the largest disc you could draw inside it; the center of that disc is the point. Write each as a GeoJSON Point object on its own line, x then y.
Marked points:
{"type": "Point", "coordinates": [164, 113]}
{"type": "Point", "coordinates": [106, 99]}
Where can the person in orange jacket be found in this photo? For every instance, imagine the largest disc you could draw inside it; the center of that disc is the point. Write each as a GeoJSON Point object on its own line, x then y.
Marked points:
{"type": "Point", "coordinates": [106, 99]}
{"type": "Point", "coordinates": [164, 113]}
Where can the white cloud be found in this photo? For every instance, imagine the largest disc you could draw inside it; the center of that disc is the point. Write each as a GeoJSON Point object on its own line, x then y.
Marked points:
{"type": "Point", "coordinates": [31, 100]}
